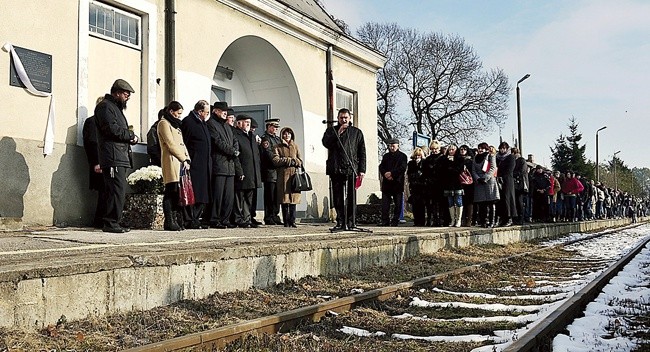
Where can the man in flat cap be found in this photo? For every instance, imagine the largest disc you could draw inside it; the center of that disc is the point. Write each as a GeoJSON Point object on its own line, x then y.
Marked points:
{"type": "Point", "coordinates": [269, 174]}
{"type": "Point", "coordinates": [247, 172]}
{"type": "Point", "coordinates": [115, 138]}
{"type": "Point", "coordinates": [391, 170]}
{"type": "Point", "coordinates": [224, 152]}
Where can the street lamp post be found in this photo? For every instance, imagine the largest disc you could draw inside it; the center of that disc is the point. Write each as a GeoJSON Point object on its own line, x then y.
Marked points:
{"type": "Point", "coordinates": [597, 169]}
{"type": "Point", "coordinates": [521, 152]}
{"type": "Point", "coordinates": [614, 162]}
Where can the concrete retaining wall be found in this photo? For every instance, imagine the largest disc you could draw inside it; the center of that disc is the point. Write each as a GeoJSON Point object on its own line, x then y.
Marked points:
{"type": "Point", "coordinates": [150, 281]}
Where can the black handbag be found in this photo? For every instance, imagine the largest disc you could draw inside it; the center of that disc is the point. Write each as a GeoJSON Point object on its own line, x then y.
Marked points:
{"type": "Point", "coordinates": [300, 181]}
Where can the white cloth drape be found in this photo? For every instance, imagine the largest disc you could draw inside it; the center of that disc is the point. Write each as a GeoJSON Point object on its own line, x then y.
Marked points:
{"type": "Point", "coordinates": [48, 139]}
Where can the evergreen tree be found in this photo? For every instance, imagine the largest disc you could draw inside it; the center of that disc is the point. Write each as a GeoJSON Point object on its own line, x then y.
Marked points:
{"type": "Point", "coordinates": [568, 154]}
{"type": "Point", "coordinates": [561, 155]}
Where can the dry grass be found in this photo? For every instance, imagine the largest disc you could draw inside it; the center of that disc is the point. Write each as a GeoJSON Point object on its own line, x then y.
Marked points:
{"type": "Point", "coordinates": [124, 330]}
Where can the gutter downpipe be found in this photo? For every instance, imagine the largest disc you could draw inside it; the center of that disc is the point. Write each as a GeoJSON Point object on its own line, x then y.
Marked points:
{"type": "Point", "coordinates": [170, 50]}
{"type": "Point", "coordinates": [330, 110]}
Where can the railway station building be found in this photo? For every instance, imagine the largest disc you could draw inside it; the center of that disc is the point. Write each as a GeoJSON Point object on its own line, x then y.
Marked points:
{"type": "Point", "coordinates": [265, 57]}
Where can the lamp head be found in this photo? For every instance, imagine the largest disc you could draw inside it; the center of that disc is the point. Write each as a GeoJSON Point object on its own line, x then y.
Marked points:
{"type": "Point", "coordinates": [523, 78]}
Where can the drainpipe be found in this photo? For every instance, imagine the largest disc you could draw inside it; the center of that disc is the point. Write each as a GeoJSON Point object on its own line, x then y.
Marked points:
{"type": "Point", "coordinates": [170, 50]}
{"type": "Point", "coordinates": [330, 84]}
{"type": "Point", "coordinates": [330, 110]}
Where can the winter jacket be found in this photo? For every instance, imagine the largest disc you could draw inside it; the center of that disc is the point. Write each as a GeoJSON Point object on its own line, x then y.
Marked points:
{"type": "Point", "coordinates": [248, 161]}
{"type": "Point", "coordinates": [197, 141]}
{"type": "Point", "coordinates": [114, 136]}
{"type": "Point", "coordinates": [172, 151]}
{"type": "Point", "coordinates": [269, 172]}
{"type": "Point", "coordinates": [286, 158]}
{"type": "Point", "coordinates": [350, 144]}
{"type": "Point", "coordinates": [572, 186]}
{"type": "Point", "coordinates": [484, 174]}
{"type": "Point", "coordinates": [224, 147]}
{"type": "Point", "coordinates": [395, 163]}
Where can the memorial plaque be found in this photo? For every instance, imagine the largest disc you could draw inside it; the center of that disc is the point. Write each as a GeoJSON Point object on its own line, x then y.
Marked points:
{"type": "Point", "coordinates": [38, 67]}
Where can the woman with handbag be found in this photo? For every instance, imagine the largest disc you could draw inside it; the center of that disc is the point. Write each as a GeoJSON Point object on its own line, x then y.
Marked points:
{"type": "Point", "coordinates": [173, 155]}
{"type": "Point", "coordinates": [286, 158]}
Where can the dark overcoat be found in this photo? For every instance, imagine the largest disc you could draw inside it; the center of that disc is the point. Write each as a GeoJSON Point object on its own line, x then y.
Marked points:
{"type": "Point", "coordinates": [248, 161]}
{"type": "Point", "coordinates": [450, 169]}
{"type": "Point", "coordinates": [114, 136]}
{"type": "Point", "coordinates": [224, 148]}
{"type": "Point", "coordinates": [505, 171]}
{"type": "Point", "coordinates": [432, 175]}
{"type": "Point", "coordinates": [417, 182]}
{"type": "Point", "coordinates": [197, 140]}
{"type": "Point", "coordinates": [520, 175]}
{"type": "Point", "coordinates": [349, 144]}
{"type": "Point", "coordinates": [396, 164]}
{"type": "Point", "coordinates": [91, 146]}
{"type": "Point", "coordinates": [468, 190]}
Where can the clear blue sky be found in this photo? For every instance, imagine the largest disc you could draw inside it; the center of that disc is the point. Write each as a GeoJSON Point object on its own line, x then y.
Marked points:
{"type": "Point", "coordinates": [587, 58]}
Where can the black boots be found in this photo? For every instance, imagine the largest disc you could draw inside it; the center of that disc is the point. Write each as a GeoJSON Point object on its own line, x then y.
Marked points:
{"type": "Point", "coordinates": [285, 214]}
{"type": "Point", "coordinates": [170, 223]}
{"type": "Point", "coordinates": [489, 213]}
{"type": "Point", "coordinates": [288, 215]}
{"type": "Point", "coordinates": [292, 215]}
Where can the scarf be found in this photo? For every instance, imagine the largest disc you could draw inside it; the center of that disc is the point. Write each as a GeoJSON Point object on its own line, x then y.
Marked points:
{"type": "Point", "coordinates": [501, 157]}
{"type": "Point", "coordinates": [176, 123]}
{"type": "Point", "coordinates": [479, 158]}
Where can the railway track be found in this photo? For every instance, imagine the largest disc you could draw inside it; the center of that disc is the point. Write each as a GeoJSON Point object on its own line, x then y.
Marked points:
{"type": "Point", "coordinates": [431, 304]}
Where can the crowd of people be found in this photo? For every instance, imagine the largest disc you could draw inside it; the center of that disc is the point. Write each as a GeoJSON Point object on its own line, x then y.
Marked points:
{"type": "Point", "coordinates": [227, 162]}
{"type": "Point", "coordinates": [447, 185]}
{"type": "Point", "coordinates": [489, 187]}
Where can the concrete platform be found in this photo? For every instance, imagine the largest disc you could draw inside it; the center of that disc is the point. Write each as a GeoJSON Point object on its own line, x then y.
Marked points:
{"type": "Point", "coordinates": [80, 272]}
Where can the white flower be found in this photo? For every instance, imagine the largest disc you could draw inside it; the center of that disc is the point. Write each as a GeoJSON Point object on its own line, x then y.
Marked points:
{"type": "Point", "coordinates": [148, 173]}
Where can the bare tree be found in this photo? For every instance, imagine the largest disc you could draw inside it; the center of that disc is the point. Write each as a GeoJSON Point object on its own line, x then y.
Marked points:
{"type": "Point", "coordinates": [451, 97]}
{"type": "Point", "coordinates": [386, 39]}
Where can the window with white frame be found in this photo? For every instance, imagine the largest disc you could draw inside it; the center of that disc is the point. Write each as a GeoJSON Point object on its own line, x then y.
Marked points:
{"type": "Point", "coordinates": [345, 99]}
{"type": "Point", "coordinates": [109, 22]}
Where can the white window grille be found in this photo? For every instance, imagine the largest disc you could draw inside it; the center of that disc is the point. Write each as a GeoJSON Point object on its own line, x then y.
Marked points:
{"type": "Point", "coordinates": [345, 99]}
{"type": "Point", "coordinates": [114, 24]}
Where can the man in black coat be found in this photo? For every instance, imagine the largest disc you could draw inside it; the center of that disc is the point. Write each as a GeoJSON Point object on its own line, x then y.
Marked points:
{"type": "Point", "coordinates": [391, 171]}
{"type": "Point", "coordinates": [247, 172]}
{"type": "Point", "coordinates": [269, 174]}
{"type": "Point", "coordinates": [224, 152]}
{"type": "Point", "coordinates": [114, 138]}
{"type": "Point", "coordinates": [197, 140]}
{"type": "Point", "coordinates": [95, 178]}
{"type": "Point", "coordinates": [346, 159]}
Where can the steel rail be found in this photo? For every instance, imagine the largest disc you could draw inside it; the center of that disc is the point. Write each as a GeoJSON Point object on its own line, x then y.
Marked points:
{"type": "Point", "coordinates": [281, 322]}
{"type": "Point", "coordinates": [540, 337]}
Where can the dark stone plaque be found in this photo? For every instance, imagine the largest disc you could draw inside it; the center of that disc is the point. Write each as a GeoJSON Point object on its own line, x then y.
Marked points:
{"type": "Point", "coordinates": [38, 67]}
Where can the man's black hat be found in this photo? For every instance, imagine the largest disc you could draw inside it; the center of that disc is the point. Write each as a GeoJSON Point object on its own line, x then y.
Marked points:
{"type": "Point", "coordinates": [243, 117]}
{"type": "Point", "coordinates": [392, 141]}
{"type": "Point", "coordinates": [221, 105]}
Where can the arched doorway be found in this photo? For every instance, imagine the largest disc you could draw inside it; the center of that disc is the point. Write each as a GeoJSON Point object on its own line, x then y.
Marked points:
{"type": "Point", "coordinates": [252, 75]}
